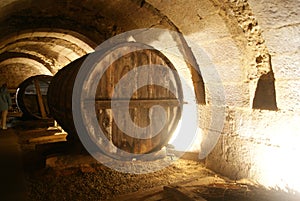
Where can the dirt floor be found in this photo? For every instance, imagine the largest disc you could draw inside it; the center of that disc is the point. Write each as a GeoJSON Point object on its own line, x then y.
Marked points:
{"type": "Point", "coordinates": [81, 179]}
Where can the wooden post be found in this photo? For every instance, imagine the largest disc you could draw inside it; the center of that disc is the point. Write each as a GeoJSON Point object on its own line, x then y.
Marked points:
{"type": "Point", "coordinates": [40, 98]}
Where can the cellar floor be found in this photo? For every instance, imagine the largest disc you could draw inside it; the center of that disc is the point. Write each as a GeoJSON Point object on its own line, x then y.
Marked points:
{"type": "Point", "coordinates": [25, 177]}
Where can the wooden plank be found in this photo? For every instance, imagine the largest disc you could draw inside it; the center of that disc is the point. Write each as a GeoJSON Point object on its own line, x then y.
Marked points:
{"type": "Point", "coordinates": [144, 121]}
{"type": "Point", "coordinates": [40, 98]}
{"type": "Point", "coordinates": [47, 139]}
{"type": "Point", "coordinates": [159, 193]}
{"type": "Point", "coordinates": [104, 122]}
{"type": "Point", "coordinates": [141, 195]}
{"type": "Point", "coordinates": [118, 70]}
{"type": "Point", "coordinates": [179, 193]}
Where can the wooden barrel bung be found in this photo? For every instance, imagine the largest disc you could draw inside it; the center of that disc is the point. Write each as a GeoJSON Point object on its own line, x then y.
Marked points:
{"type": "Point", "coordinates": [118, 61]}
{"type": "Point", "coordinates": [31, 96]}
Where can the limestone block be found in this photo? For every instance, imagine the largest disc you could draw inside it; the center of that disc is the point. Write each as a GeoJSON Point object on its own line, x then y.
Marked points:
{"type": "Point", "coordinates": [215, 93]}
{"type": "Point", "coordinates": [220, 61]}
{"type": "Point", "coordinates": [210, 144]}
{"type": "Point", "coordinates": [230, 70]}
{"type": "Point", "coordinates": [210, 28]}
{"type": "Point", "coordinates": [211, 118]}
{"type": "Point", "coordinates": [278, 13]}
{"type": "Point", "coordinates": [159, 38]}
{"type": "Point", "coordinates": [283, 40]}
{"type": "Point", "coordinates": [193, 8]}
{"type": "Point", "coordinates": [222, 50]}
{"type": "Point", "coordinates": [286, 66]}
{"type": "Point", "coordinates": [229, 157]}
{"type": "Point", "coordinates": [237, 95]}
{"type": "Point", "coordinates": [233, 94]}
{"type": "Point", "coordinates": [139, 15]}
{"type": "Point", "coordinates": [198, 20]}
{"type": "Point", "coordinates": [288, 94]}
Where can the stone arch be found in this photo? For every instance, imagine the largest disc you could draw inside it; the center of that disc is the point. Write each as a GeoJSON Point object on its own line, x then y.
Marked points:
{"type": "Point", "coordinates": [53, 48]}
{"type": "Point", "coordinates": [97, 24]}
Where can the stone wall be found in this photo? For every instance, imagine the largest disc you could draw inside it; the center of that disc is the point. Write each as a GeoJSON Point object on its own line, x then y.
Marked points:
{"type": "Point", "coordinates": [259, 143]}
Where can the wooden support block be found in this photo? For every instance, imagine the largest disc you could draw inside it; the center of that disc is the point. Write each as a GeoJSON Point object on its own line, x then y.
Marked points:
{"type": "Point", "coordinates": [65, 161]}
{"type": "Point", "coordinates": [47, 139]}
{"type": "Point", "coordinates": [178, 193]}
{"type": "Point", "coordinates": [153, 194]}
{"type": "Point", "coordinates": [52, 148]}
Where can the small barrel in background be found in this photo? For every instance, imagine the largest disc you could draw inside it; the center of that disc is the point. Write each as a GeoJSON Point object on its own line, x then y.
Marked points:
{"type": "Point", "coordinates": [61, 90]}
{"type": "Point", "coordinates": [31, 97]}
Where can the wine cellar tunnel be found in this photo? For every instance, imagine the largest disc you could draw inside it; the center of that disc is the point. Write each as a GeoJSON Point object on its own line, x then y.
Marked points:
{"type": "Point", "coordinates": [217, 81]}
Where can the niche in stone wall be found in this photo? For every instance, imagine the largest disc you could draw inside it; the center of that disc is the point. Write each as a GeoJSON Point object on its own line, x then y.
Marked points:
{"type": "Point", "coordinates": [265, 94]}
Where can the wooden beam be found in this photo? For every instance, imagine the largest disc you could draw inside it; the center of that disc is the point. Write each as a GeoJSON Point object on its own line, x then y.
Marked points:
{"type": "Point", "coordinates": [106, 104]}
{"type": "Point", "coordinates": [40, 98]}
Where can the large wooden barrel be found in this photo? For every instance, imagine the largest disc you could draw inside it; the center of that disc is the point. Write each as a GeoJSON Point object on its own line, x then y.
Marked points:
{"type": "Point", "coordinates": [31, 96]}
{"type": "Point", "coordinates": [118, 65]}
